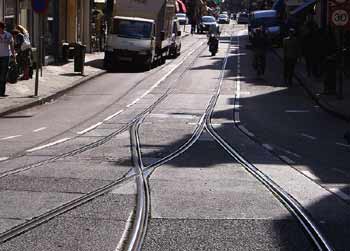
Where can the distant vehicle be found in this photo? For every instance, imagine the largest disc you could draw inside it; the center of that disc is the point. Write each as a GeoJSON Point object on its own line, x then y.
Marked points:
{"type": "Point", "coordinates": [223, 19]}
{"type": "Point", "coordinates": [206, 22]}
{"type": "Point", "coordinates": [182, 17]}
{"type": "Point", "coordinates": [269, 20]}
{"type": "Point", "coordinates": [225, 13]}
{"type": "Point", "coordinates": [233, 16]}
{"type": "Point", "coordinates": [242, 18]}
{"type": "Point", "coordinates": [141, 33]}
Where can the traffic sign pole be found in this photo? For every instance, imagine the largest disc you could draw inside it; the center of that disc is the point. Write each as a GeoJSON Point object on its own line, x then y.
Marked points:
{"type": "Point", "coordinates": [340, 63]}
{"type": "Point", "coordinates": [38, 56]}
{"type": "Point", "coordinates": [39, 7]}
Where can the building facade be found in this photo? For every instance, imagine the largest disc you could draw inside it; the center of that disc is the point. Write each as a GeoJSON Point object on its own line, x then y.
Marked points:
{"type": "Point", "coordinates": [65, 21]}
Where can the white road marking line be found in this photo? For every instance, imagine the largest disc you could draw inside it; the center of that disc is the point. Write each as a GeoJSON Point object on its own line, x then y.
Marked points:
{"type": "Point", "coordinates": [292, 153]}
{"type": "Point", "coordinates": [237, 117]}
{"type": "Point", "coordinates": [133, 102]}
{"type": "Point", "coordinates": [164, 77]}
{"type": "Point", "coordinates": [340, 193]}
{"type": "Point", "coordinates": [113, 115]}
{"type": "Point", "coordinates": [90, 128]}
{"type": "Point", "coordinates": [40, 129]}
{"type": "Point", "coordinates": [128, 226]}
{"type": "Point", "coordinates": [297, 111]}
{"type": "Point", "coordinates": [48, 145]}
{"type": "Point", "coordinates": [268, 147]}
{"type": "Point", "coordinates": [11, 137]}
{"type": "Point", "coordinates": [245, 93]}
{"type": "Point", "coordinates": [245, 130]}
{"type": "Point", "coordinates": [3, 158]}
{"type": "Point", "coordinates": [308, 136]}
{"type": "Point", "coordinates": [286, 159]}
{"type": "Point", "coordinates": [341, 144]}
{"type": "Point", "coordinates": [339, 171]}
{"type": "Point", "coordinates": [310, 175]}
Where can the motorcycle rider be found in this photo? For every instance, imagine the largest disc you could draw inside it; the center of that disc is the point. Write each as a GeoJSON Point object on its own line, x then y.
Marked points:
{"type": "Point", "coordinates": [260, 45]}
{"type": "Point", "coordinates": [213, 41]}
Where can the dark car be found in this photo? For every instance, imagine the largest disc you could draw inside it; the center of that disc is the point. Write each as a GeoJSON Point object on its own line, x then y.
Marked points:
{"type": "Point", "coordinates": [269, 20]}
{"type": "Point", "coordinates": [223, 19]}
{"type": "Point", "coordinates": [242, 18]}
{"type": "Point", "coordinates": [206, 22]}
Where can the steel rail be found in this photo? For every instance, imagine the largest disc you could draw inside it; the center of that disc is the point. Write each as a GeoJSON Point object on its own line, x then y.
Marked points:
{"type": "Point", "coordinates": [139, 227]}
{"type": "Point", "coordinates": [304, 219]}
{"type": "Point", "coordinates": [200, 126]}
{"type": "Point", "coordinates": [43, 218]}
{"type": "Point", "coordinates": [87, 146]}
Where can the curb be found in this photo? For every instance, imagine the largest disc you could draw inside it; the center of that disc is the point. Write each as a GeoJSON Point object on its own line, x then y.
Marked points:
{"type": "Point", "coordinates": [324, 104]}
{"type": "Point", "coordinates": [45, 99]}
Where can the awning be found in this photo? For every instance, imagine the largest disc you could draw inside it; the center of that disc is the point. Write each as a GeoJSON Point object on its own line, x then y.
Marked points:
{"type": "Point", "coordinates": [180, 6]}
{"type": "Point", "coordinates": [303, 8]}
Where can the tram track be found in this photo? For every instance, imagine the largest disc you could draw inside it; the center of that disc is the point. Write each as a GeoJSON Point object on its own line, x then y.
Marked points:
{"type": "Point", "coordinates": [129, 91]}
{"type": "Point", "coordinates": [106, 138]}
{"type": "Point", "coordinates": [141, 173]}
{"type": "Point", "coordinates": [300, 214]}
{"type": "Point", "coordinates": [43, 218]}
{"type": "Point", "coordinates": [311, 229]}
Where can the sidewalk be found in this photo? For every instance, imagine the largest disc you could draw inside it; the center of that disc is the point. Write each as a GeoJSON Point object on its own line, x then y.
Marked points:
{"type": "Point", "coordinates": [54, 82]}
{"type": "Point", "coordinates": [338, 107]}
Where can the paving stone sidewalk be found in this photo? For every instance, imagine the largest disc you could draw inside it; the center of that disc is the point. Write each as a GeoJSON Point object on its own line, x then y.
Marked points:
{"type": "Point", "coordinates": [56, 79]}
{"type": "Point", "coordinates": [315, 87]}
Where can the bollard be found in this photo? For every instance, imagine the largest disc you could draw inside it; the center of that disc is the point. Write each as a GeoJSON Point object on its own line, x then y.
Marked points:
{"type": "Point", "coordinates": [79, 58]}
{"type": "Point", "coordinates": [65, 52]}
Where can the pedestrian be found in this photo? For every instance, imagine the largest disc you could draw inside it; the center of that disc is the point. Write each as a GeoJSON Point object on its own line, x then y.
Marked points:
{"type": "Point", "coordinates": [24, 52]}
{"type": "Point", "coordinates": [193, 25]}
{"type": "Point", "coordinates": [307, 46]}
{"type": "Point", "coordinates": [260, 44]}
{"type": "Point", "coordinates": [291, 52]}
{"type": "Point", "coordinates": [6, 51]}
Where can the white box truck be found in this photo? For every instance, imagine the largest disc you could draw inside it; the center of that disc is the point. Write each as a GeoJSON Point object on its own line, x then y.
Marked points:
{"type": "Point", "coordinates": [142, 32]}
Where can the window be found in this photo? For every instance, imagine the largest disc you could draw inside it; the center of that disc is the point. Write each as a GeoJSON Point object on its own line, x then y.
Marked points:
{"type": "Point", "coordinates": [10, 14]}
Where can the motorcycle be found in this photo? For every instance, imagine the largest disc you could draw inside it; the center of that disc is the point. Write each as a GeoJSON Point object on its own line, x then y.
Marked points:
{"type": "Point", "coordinates": [213, 44]}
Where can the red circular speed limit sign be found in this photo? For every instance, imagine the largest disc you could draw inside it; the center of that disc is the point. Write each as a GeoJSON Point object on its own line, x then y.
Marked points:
{"type": "Point", "coordinates": [340, 17]}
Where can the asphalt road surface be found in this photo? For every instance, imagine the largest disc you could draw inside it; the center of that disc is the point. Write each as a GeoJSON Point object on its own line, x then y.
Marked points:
{"type": "Point", "coordinates": [72, 163]}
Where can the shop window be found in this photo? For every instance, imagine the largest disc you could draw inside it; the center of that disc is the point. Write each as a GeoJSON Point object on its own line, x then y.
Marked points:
{"type": "Point", "coordinates": [10, 14]}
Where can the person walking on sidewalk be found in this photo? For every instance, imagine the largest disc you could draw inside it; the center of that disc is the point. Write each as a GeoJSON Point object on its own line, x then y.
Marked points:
{"type": "Point", "coordinates": [6, 50]}
{"type": "Point", "coordinates": [24, 51]}
{"type": "Point", "coordinates": [291, 52]}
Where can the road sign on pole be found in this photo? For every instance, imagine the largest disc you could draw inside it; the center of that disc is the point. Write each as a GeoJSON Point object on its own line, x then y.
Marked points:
{"type": "Point", "coordinates": [340, 17]}
{"type": "Point", "coordinates": [40, 6]}
{"type": "Point", "coordinates": [339, 13]}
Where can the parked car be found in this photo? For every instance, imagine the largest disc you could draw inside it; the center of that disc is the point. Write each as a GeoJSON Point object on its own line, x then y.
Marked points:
{"type": "Point", "coordinates": [269, 20]}
{"type": "Point", "coordinates": [206, 22]}
{"type": "Point", "coordinates": [223, 19]}
{"type": "Point", "coordinates": [182, 17]}
{"type": "Point", "coordinates": [242, 18]}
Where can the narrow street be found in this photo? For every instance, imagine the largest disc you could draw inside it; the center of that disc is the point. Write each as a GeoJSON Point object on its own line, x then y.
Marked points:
{"type": "Point", "coordinates": [177, 158]}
